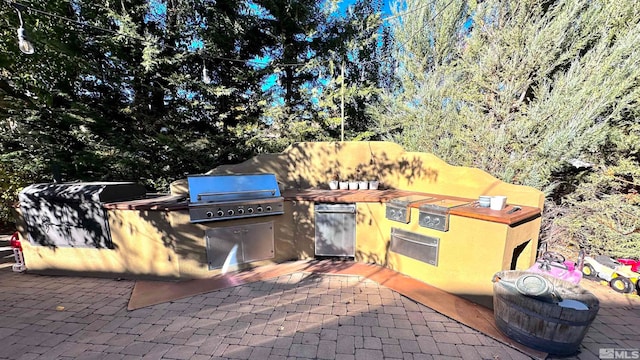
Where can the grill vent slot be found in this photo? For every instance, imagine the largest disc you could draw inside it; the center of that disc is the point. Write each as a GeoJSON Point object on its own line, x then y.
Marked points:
{"type": "Point", "coordinates": [416, 246]}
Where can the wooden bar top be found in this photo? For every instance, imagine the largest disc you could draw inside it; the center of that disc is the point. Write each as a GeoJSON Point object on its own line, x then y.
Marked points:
{"type": "Point", "coordinates": [166, 202]}
{"type": "Point", "coordinates": [344, 196]}
{"type": "Point", "coordinates": [470, 210]}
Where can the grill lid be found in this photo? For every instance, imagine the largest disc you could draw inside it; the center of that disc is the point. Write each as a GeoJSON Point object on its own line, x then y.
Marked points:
{"type": "Point", "coordinates": [232, 187]}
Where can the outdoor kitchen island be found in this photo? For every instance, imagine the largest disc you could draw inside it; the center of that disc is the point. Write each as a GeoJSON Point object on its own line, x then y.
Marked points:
{"type": "Point", "coordinates": [462, 260]}
{"type": "Point", "coordinates": [458, 253]}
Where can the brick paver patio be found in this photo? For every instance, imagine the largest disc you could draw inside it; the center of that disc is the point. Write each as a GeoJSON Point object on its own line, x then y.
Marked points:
{"type": "Point", "coordinates": [296, 316]}
{"type": "Point", "coordinates": [304, 316]}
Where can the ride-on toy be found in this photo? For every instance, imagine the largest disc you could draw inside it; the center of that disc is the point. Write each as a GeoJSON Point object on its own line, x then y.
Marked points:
{"type": "Point", "coordinates": [554, 264]}
{"type": "Point", "coordinates": [620, 277]}
{"type": "Point", "coordinates": [635, 264]}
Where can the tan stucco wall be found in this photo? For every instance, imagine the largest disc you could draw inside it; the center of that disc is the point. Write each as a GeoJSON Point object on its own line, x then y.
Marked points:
{"type": "Point", "coordinates": [149, 244]}
{"type": "Point", "coordinates": [469, 254]}
{"type": "Point", "coordinates": [313, 164]}
{"type": "Point", "coordinates": [141, 247]}
{"type": "Point", "coordinates": [165, 243]}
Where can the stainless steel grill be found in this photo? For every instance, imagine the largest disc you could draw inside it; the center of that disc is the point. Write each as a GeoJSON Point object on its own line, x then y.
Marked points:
{"type": "Point", "coordinates": [235, 196]}
{"type": "Point", "coordinates": [397, 209]}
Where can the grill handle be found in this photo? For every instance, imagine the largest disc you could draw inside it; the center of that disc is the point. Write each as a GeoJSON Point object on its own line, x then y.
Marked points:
{"type": "Point", "coordinates": [272, 191]}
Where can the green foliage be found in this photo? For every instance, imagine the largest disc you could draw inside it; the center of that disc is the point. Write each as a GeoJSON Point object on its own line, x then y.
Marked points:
{"type": "Point", "coordinates": [127, 105]}
{"type": "Point", "coordinates": [603, 214]}
{"type": "Point", "coordinates": [115, 93]}
{"type": "Point", "coordinates": [308, 101]}
{"type": "Point", "coordinates": [523, 92]}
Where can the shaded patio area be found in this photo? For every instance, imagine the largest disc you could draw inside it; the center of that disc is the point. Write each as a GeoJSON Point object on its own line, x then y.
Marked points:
{"type": "Point", "coordinates": [298, 315]}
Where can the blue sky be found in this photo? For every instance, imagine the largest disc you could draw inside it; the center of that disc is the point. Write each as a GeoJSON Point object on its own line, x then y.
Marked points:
{"type": "Point", "coordinates": [344, 5]}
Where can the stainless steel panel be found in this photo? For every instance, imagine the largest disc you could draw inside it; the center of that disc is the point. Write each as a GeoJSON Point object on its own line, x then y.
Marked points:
{"type": "Point", "coordinates": [235, 210]}
{"type": "Point", "coordinates": [435, 215]}
{"type": "Point", "coordinates": [233, 245]}
{"type": "Point", "coordinates": [335, 229]}
{"type": "Point", "coordinates": [330, 208]}
{"type": "Point", "coordinates": [434, 221]}
{"type": "Point", "coordinates": [409, 199]}
{"type": "Point", "coordinates": [233, 196]}
{"type": "Point", "coordinates": [397, 213]}
{"type": "Point", "coordinates": [397, 209]}
{"type": "Point", "coordinates": [258, 242]}
{"type": "Point", "coordinates": [416, 246]}
{"type": "Point", "coordinates": [224, 247]}
{"type": "Point", "coordinates": [102, 192]}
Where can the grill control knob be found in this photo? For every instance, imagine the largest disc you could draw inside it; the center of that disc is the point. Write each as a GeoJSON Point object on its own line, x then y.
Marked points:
{"type": "Point", "coordinates": [220, 213]}
{"type": "Point", "coordinates": [250, 210]}
{"type": "Point", "coordinates": [268, 208]}
{"type": "Point", "coordinates": [230, 212]}
{"type": "Point", "coordinates": [240, 211]}
{"type": "Point", "coordinates": [209, 214]}
{"type": "Point", "coordinates": [259, 209]}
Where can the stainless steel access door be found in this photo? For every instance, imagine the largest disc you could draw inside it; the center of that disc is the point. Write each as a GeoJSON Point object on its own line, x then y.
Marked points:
{"type": "Point", "coordinates": [233, 245]}
{"type": "Point", "coordinates": [335, 229]}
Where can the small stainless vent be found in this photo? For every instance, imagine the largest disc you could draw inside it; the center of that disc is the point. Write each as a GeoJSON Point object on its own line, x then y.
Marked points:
{"type": "Point", "coordinates": [416, 246]}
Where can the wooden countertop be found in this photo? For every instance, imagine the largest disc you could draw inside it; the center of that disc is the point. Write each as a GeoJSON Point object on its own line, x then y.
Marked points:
{"type": "Point", "coordinates": [344, 196]}
{"type": "Point", "coordinates": [470, 210]}
{"type": "Point", "coordinates": [166, 202]}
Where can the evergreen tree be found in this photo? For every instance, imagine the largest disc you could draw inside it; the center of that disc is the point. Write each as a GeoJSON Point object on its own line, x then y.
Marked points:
{"type": "Point", "coordinates": [529, 90]}
{"type": "Point", "coordinates": [342, 62]}
{"type": "Point", "coordinates": [115, 91]}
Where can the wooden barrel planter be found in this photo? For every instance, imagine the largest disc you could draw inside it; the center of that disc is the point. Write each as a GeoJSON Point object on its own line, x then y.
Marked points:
{"type": "Point", "coordinates": [541, 324]}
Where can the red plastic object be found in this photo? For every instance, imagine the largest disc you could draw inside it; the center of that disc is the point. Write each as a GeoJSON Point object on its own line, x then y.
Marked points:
{"type": "Point", "coordinates": [635, 264]}
{"type": "Point", "coordinates": [14, 242]}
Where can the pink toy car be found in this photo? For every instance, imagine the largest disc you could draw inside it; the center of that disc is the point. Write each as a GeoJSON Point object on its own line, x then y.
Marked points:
{"type": "Point", "coordinates": [554, 264]}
